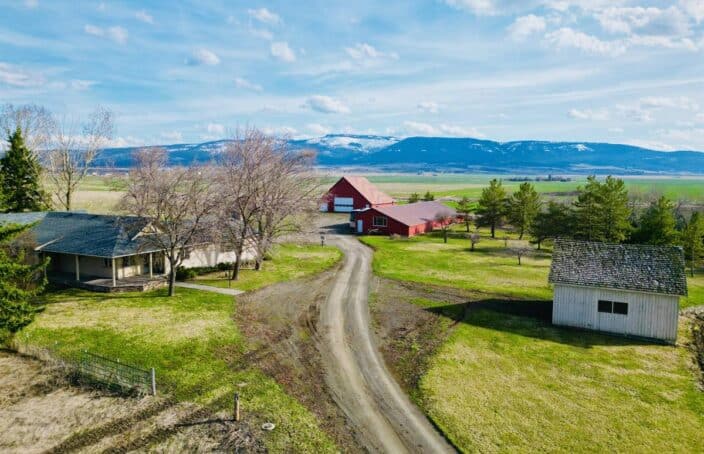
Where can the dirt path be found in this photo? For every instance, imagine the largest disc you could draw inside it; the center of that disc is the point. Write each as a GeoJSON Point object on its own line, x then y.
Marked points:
{"type": "Point", "coordinates": [384, 417]}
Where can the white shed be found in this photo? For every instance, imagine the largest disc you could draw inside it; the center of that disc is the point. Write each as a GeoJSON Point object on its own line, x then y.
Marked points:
{"type": "Point", "coordinates": [627, 289]}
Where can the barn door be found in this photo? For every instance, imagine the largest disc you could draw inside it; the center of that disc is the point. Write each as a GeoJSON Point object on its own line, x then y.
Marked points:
{"type": "Point", "coordinates": [360, 226]}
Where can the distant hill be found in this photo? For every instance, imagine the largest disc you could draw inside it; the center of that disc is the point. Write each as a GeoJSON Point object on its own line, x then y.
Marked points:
{"type": "Point", "coordinates": [458, 155]}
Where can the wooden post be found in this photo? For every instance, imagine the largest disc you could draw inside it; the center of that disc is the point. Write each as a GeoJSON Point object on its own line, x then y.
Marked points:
{"type": "Point", "coordinates": [151, 265]}
{"type": "Point", "coordinates": [78, 269]}
{"type": "Point", "coordinates": [153, 382]}
{"type": "Point", "coordinates": [114, 273]}
{"type": "Point", "coordinates": [237, 406]}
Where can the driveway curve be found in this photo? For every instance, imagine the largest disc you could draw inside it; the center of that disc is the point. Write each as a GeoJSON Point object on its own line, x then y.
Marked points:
{"type": "Point", "coordinates": [383, 417]}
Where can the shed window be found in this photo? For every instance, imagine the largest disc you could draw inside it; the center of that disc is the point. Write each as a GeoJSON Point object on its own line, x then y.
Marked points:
{"type": "Point", "coordinates": [613, 307]}
{"type": "Point", "coordinates": [379, 221]}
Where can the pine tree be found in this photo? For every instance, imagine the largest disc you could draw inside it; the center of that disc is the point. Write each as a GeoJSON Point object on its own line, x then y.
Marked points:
{"type": "Point", "coordinates": [428, 197]}
{"type": "Point", "coordinates": [556, 221]}
{"type": "Point", "coordinates": [21, 177]}
{"type": "Point", "coordinates": [601, 211]}
{"type": "Point", "coordinates": [492, 206]}
{"type": "Point", "coordinates": [413, 198]}
{"type": "Point", "coordinates": [522, 207]}
{"type": "Point", "coordinates": [19, 284]}
{"type": "Point", "coordinates": [693, 241]}
{"type": "Point", "coordinates": [464, 207]}
{"type": "Point", "coordinates": [657, 224]}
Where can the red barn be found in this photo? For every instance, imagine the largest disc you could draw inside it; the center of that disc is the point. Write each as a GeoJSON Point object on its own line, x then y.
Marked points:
{"type": "Point", "coordinates": [354, 193]}
{"type": "Point", "coordinates": [404, 220]}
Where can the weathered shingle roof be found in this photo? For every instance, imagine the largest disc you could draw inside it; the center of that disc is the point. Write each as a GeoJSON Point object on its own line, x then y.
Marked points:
{"type": "Point", "coordinates": [95, 235]}
{"type": "Point", "coordinates": [654, 269]}
{"type": "Point", "coordinates": [368, 190]}
{"type": "Point", "coordinates": [415, 213]}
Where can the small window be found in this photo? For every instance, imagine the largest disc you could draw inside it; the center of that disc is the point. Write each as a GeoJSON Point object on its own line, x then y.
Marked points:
{"type": "Point", "coordinates": [379, 221]}
{"type": "Point", "coordinates": [605, 306]}
{"type": "Point", "coordinates": [621, 308]}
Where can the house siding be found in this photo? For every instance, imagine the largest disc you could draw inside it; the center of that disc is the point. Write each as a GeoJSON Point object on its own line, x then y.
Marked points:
{"type": "Point", "coordinates": [393, 226]}
{"type": "Point", "coordinates": [650, 315]}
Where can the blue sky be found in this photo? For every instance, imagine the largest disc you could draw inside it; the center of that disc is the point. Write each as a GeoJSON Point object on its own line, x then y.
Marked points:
{"type": "Point", "coordinates": [179, 71]}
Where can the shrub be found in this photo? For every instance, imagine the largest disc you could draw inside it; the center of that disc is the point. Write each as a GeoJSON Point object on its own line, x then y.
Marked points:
{"type": "Point", "coordinates": [184, 274]}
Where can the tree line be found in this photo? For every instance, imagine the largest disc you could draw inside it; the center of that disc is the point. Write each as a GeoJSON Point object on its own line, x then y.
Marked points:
{"type": "Point", "coordinates": [601, 211]}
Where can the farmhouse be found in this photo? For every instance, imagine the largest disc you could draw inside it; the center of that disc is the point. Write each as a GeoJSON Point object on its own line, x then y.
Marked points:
{"type": "Point", "coordinates": [626, 289]}
{"type": "Point", "coordinates": [354, 193]}
{"type": "Point", "coordinates": [404, 220]}
{"type": "Point", "coordinates": [105, 252]}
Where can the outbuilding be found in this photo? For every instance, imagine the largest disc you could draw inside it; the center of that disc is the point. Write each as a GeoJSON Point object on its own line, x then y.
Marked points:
{"type": "Point", "coordinates": [627, 289]}
{"type": "Point", "coordinates": [354, 193]}
{"type": "Point", "coordinates": [404, 220]}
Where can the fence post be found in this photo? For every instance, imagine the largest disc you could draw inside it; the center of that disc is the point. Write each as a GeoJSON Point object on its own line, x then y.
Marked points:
{"type": "Point", "coordinates": [237, 406]}
{"type": "Point", "coordinates": [153, 382]}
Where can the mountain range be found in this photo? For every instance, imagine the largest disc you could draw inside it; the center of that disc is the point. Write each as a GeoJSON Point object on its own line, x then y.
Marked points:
{"type": "Point", "coordinates": [386, 153]}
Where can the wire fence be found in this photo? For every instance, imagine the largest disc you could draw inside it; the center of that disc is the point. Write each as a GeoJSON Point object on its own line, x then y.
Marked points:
{"type": "Point", "coordinates": [113, 373]}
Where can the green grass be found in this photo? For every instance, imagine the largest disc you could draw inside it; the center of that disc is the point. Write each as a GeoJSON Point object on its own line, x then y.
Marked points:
{"type": "Point", "coordinates": [192, 342]}
{"type": "Point", "coordinates": [504, 383]}
{"type": "Point", "coordinates": [695, 287]}
{"type": "Point", "coordinates": [489, 269]}
{"type": "Point", "coordinates": [289, 261]}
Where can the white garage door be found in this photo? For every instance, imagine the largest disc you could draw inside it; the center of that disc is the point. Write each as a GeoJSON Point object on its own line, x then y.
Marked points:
{"type": "Point", "coordinates": [344, 204]}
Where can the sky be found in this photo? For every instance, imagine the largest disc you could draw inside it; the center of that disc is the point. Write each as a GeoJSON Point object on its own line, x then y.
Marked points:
{"type": "Point", "coordinates": [621, 71]}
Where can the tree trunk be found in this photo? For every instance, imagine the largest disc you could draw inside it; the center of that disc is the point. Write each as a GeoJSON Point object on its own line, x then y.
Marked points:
{"type": "Point", "coordinates": [258, 264]}
{"type": "Point", "coordinates": [539, 241]}
{"type": "Point", "coordinates": [68, 200]}
{"type": "Point", "coordinates": [236, 268]}
{"type": "Point", "coordinates": [493, 230]}
{"type": "Point", "coordinates": [472, 248]}
{"type": "Point", "coordinates": [519, 260]}
{"type": "Point", "coordinates": [172, 280]}
{"type": "Point", "coordinates": [467, 224]}
{"type": "Point", "coordinates": [445, 235]}
{"type": "Point", "coordinates": [520, 237]}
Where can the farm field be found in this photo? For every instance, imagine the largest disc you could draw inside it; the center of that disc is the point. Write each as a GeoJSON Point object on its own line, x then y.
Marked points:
{"type": "Point", "coordinates": [193, 343]}
{"type": "Point", "coordinates": [289, 261]}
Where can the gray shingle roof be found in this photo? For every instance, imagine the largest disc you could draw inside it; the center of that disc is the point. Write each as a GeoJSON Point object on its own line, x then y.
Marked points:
{"type": "Point", "coordinates": [654, 269]}
{"type": "Point", "coordinates": [95, 235]}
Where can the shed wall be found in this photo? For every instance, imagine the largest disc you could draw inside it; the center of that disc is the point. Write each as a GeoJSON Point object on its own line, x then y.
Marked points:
{"type": "Point", "coordinates": [649, 315]}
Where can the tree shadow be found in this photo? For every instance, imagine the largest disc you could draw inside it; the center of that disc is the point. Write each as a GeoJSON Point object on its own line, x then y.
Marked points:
{"type": "Point", "coordinates": [530, 318]}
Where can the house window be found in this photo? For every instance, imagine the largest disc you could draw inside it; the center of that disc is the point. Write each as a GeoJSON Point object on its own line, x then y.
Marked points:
{"type": "Point", "coordinates": [613, 307]}
{"type": "Point", "coordinates": [379, 221]}
{"type": "Point", "coordinates": [107, 263]}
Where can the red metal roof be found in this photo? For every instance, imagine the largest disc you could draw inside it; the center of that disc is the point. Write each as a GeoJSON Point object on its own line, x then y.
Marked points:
{"type": "Point", "coordinates": [368, 190]}
{"type": "Point", "coordinates": [415, 213]}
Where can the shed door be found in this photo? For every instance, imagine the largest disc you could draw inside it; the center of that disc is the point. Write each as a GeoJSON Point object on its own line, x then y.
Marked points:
{"type": "Point", "coordinates": [344, 204]}
{"type": "Point", "coordinates": [360, 226]}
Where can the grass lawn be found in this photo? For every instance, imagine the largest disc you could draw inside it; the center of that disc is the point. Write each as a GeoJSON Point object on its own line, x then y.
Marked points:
{"type": "Point", "coordinates": [192, 342]}
{"type": "Point", "coordinates": [489, 269]}
{"type": "Point", "coordinates": [507, 383]}
{"type": "Point", "coordinates": [695, 288]}
{"type": "Point", "coordinates": [289, 261]}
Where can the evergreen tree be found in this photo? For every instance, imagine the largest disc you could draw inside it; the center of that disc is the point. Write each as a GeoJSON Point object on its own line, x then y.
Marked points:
{"type": "Point", "coordinates": [556, 221]}
{"type": "Point", "coordinates": [415, 197]}
{"type": "Point", "coordinates": [522, 207]}
{"type": "Point", "coordinates": [21, 177]}
{"type": "Point", "coordinates": [657, 224]}
{"type": "Point", "coordinates": [464, 207]}
{"type": "Point", "coordinates": [601, 211]}
{"type": "Point", "coordinates": [428, 197]}
{"type": "Point", "coordinates": [19, 284]}
{"type": "Point", "coordinates": [693, 241]}
{"type": "Point", "coordinates": [492, 206]}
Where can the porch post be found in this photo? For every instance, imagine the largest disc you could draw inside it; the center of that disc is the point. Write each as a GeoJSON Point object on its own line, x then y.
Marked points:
{"type": "Point", "coordinates": [78, 268]}
{"type": "Point", "coordinates": [114, 273]}
{"type": "Point", "coordinates": [151, 266]}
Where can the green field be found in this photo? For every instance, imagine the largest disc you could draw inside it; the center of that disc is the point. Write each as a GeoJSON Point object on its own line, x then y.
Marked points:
{"type": "Point", "coordinates": [288, 261]}
{"type": "Point", "coordinates": [192, 342]}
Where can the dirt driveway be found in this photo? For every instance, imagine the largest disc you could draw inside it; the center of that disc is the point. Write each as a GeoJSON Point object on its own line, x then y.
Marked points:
{"type": "Point", "coordinates": [383, 416]}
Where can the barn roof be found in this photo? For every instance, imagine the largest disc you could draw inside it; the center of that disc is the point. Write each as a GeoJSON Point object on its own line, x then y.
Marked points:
{"type": "Point", "coordinates": [370, 192]}
{"type": "Point", "coordinates": [95, 235]}
{"type": "Point", "coordinates": [415, 213]}
{"type": "Point", "coordinates": [654, 269]}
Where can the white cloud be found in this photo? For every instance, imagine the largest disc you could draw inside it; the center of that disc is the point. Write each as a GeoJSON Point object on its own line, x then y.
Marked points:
{"type": "Point", "coordinates": [429, 106]}
{"type": "Point", "coordinates": [247, 85]}
{"type": "Point", "coordinates": [172, 136]}
{"type": "Point", "coordinates": [215, 128]}
{"type": "Point", "coordinates": [18, 77]}
{"type": "Point", "coordinates": [326, 104]}
{"type": "Point", "coordinates": [426, 129]}
{"type": "Point", "coordinates": [683, 139]}
{"type": "Point", "coordinates": [80, 85]}
{"type": "Point", "coordinates": [286, 131]}
{"type": "Point", "coordinates": [568, 38]}
{"type": "Point", "coordinates": [203, 57]}
{"type": "Point", "coordinates": [588, 114]}
{"type": "Point", "coordinates": [644, 21]}
{"type": "Point", "coordinates": [650, 144]}
{"type": "Point", "coordinates": [144, 17]}
{"type": "Point", "coordinates": [31, 3]}
{"type": "Point", "coordinates": [656, 102]}
{"type": "Point", "coordinates": [490, 7]}
{"type": "Point", "coordinates": [364, 51]}
{"type": "Point", "coordinates": [117, 34]}
{"type": "Point", "coordinates": [459, 131]}
{"type": "Point", "coordinates": [120, 142]}
{"type": "Point", "coordinates": [636, 113]}
{"type": "Point", "coordinates": [418, 128]}
{"type": "Point", "coordinates": [525, 26]}
{"type": "Point", "coordinates": [699, 118]}
{"type": "Point", "coordinates": [264, 15]}
{"type": "Point", "coordinates": [616, 130]}
{"type": "Point", "coordinates": [694, 8]}
{"type": "Point", "coordinates": [282, 51]}
{"type": "Point", "coordinates": [261, 33]}
{"type": "Point", "coordinates": [318, 129]}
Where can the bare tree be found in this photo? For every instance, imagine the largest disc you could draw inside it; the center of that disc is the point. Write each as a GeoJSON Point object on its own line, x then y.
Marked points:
{"type": "Point", "coordinates": [75, 147]}
{"type": "Point", "coordinates": [36, 123]}
{"type": "Point", "coordinates": [519, 250]}
{"type": "Point", "coordinates": [178, 202]}
{"type": "Point", "coordinates": [474, 238]}
{"type": "Point", "coordinates": [445, 218]}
